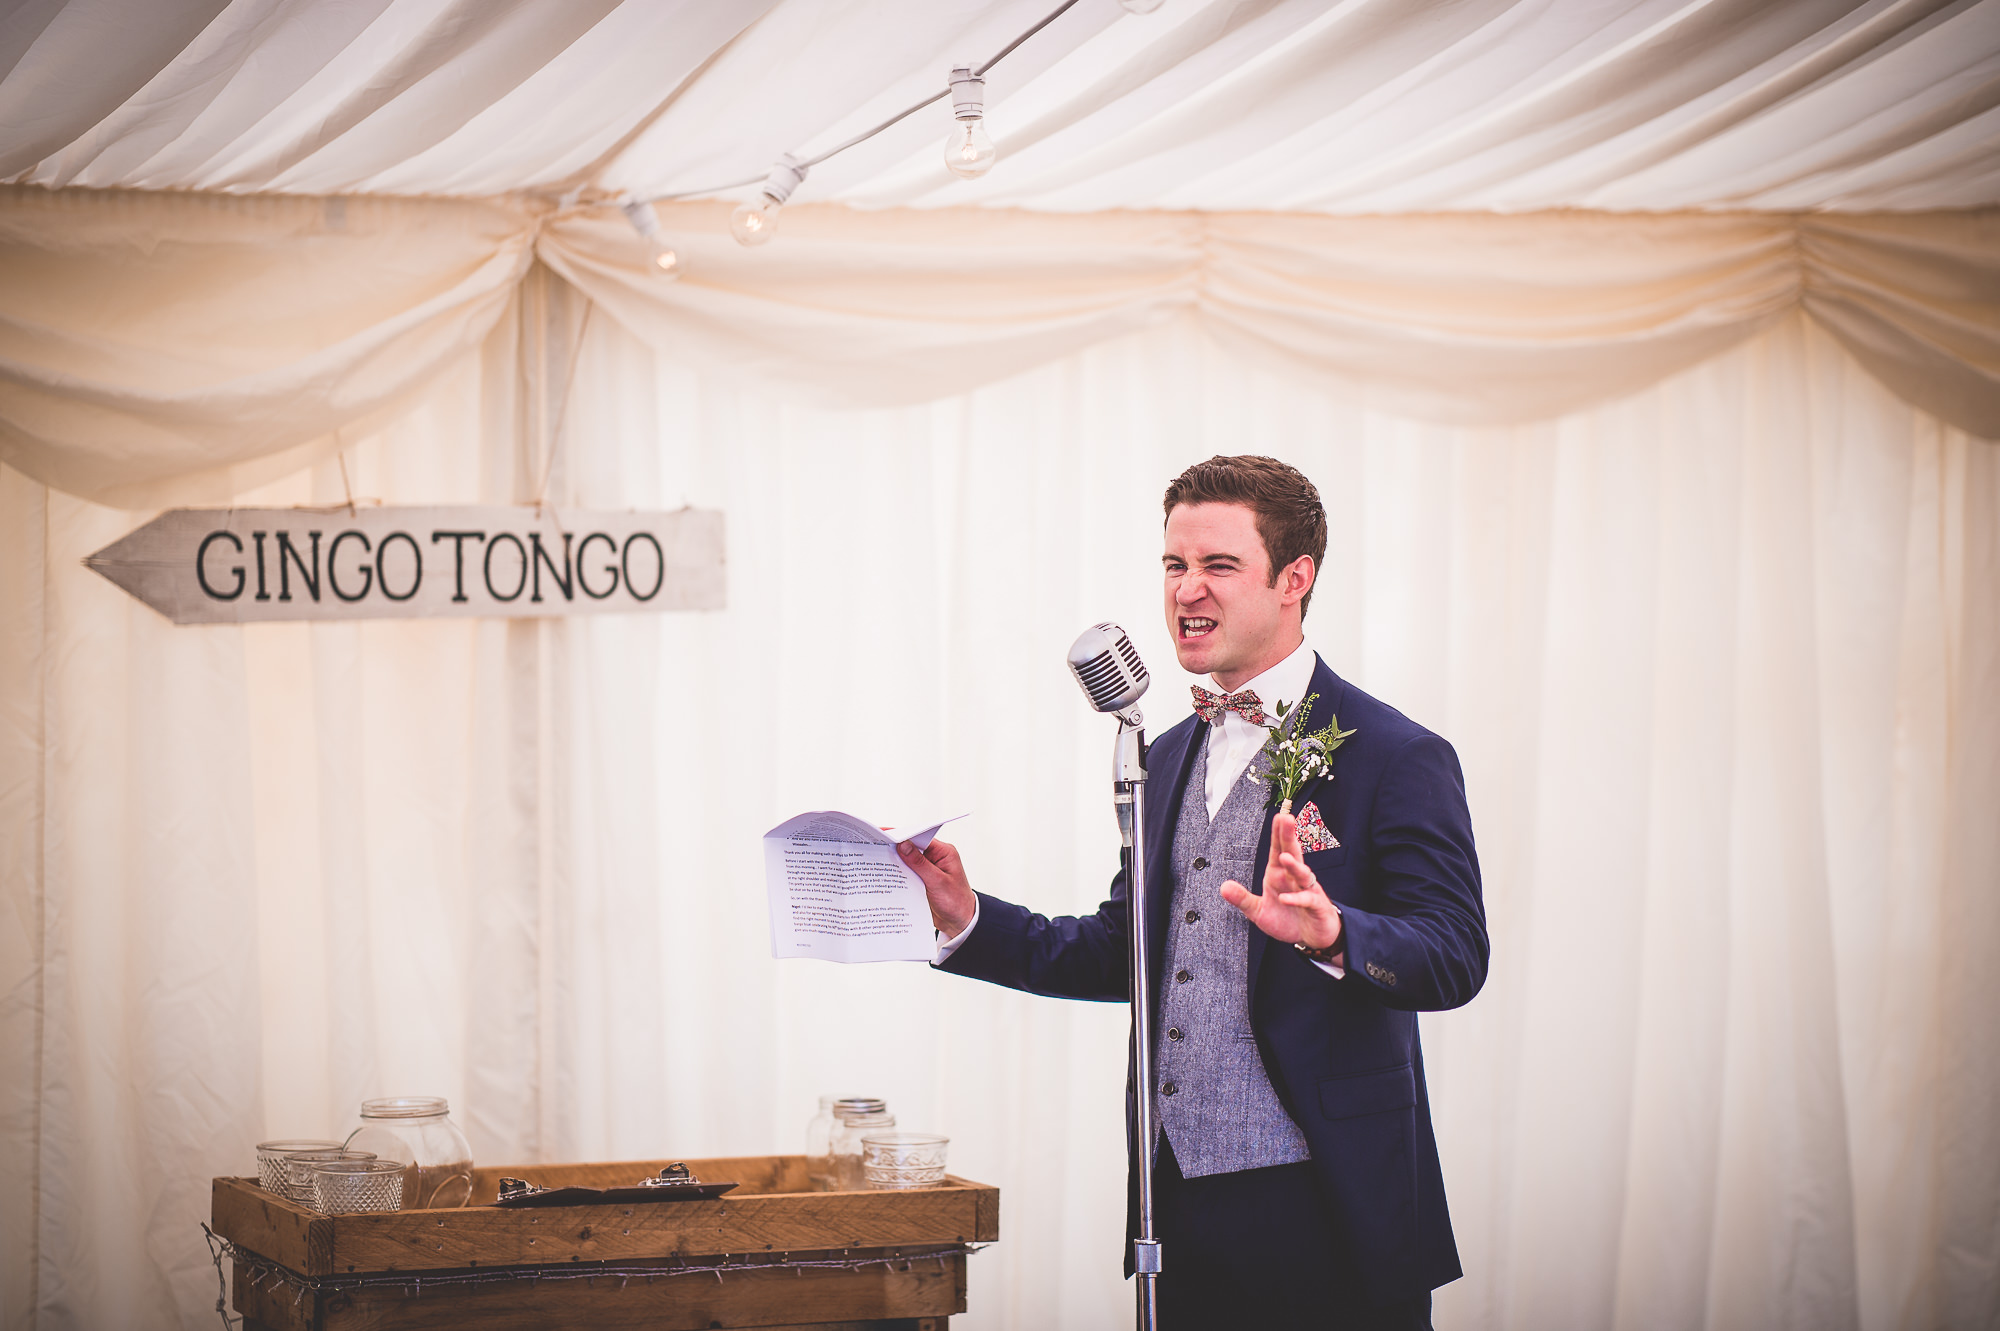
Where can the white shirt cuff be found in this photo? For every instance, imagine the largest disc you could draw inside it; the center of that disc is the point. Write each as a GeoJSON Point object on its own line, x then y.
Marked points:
{"type": "Point", "coordinates": [947, 946]}
{"type": "Point", "coordinates": [1337, 972]}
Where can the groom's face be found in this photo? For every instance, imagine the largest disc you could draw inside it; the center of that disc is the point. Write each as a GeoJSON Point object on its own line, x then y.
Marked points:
{"type": "Point", "coordinates": [1226, 618]}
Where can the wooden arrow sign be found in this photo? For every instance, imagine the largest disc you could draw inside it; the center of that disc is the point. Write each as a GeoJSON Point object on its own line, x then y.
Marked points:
{"type": "Point", "coordinates": [211, 566]}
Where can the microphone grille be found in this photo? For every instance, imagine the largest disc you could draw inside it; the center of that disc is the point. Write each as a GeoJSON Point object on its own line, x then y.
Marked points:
{"type": "Point", "coordinates": [1131, 655]}
{"type": "Point", "coordinates": [1101, 679]}
{"type": "Point", "coordinates": [1108, 667]}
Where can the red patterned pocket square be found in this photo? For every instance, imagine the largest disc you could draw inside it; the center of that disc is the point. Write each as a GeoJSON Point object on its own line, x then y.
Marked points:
{"type": "Point", "coordinates": [1313, 834]}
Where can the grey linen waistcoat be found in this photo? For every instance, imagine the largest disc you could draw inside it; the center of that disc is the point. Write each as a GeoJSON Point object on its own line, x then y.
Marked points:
{"type": "Point", "coordinates": [1216, 1102]}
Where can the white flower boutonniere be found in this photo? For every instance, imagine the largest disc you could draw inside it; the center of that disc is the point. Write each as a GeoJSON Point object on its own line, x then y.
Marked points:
{"type": "Point", "coordinates": [1298, 758]}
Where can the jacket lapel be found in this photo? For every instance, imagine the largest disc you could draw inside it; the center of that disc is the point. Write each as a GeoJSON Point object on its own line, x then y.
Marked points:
{"type": "Point", "coordinates": [1331, 690]}
{"type": "Point", "coordinates": [1167, 773]}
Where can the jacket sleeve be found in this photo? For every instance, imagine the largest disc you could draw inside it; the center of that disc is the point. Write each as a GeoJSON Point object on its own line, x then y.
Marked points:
{"type": "Point", "coordinates": [1067, 956]}
{"type": "Point", "coordinates": [1425, 948]}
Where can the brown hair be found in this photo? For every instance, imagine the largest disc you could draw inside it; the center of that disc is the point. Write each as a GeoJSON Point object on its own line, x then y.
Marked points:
{"type": "Point", "coordinates": [1290, 518]}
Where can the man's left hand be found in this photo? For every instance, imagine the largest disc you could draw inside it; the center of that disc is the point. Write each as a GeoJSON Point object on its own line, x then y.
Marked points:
{"type": "Point", "coordinates": [1294, 908]}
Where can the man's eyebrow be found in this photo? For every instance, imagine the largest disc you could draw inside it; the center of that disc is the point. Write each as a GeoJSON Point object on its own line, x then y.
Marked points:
{"type": "Point", "coordinates": [1204, 560]}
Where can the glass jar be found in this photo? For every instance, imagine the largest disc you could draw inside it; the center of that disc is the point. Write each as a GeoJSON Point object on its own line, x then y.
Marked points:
{"type": "Point", "coordinates": [272, 1172]}
{"type": "Point", "coordinates": [417, 1130]}
{"type": "Point", "coordinates": [343, 1187]}
{"type": "Point", "coordinates": [854, 1118]}
{"type": "Point", "coordinates": [299, 1166]}
{"type": "Point", "coordinates": [819, 1145]}
{"type": "Point", "coordinates": [902, 1159]}
{"type": "Point", "coordinates": [820, 1167]}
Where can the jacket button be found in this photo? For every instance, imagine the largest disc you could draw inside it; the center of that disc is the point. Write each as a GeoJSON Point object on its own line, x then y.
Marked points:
{"type": "Point", "coordinates": [1200, 863]}
{"type": "Point", "coordinates": [1173, 1032]}
{"type": "Point", "coordinates": [1182, 977]}
{"type": "Point", "coordinates": [1168, 1089]}
{"type": "Point", "coordinates": [1193, 915]}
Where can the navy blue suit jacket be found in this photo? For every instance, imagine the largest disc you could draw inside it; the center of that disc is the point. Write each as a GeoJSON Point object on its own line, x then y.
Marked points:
{"type": "Point", "coordinates": [1342, 1054]}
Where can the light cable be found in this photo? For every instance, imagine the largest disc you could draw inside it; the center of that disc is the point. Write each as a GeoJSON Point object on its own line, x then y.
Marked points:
{"type": "Point", "coordinates": [865, 135]}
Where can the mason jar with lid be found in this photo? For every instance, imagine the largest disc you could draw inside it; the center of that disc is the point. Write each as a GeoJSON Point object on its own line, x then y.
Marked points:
{"type": "Point", "coordinates": [417, 1130]}
{"type": "Point", "coordinates": [819, 1145]}
{"type": "Point", "coordinates": [854, 1118]}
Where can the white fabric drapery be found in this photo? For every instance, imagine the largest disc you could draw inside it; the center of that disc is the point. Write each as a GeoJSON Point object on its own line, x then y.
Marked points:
{"type": "Point", "coordinates": [194, 346]}
{"type": "Point", "coordinates": [1722, 659]}
{"type": "Point", "coordinates": [1367, 106]}
{"type": "Point", "coordinates": [1621, 506]}
{"type": "Point", "coordinates": [161, 348]}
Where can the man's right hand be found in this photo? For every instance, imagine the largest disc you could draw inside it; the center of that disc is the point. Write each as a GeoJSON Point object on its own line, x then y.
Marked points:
{"type": "Point", "coordinates": [952, 902]}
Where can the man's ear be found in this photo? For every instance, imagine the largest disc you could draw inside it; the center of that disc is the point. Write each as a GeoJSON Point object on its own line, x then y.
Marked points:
{"type": "Point", "coordinates": [1298, 578]}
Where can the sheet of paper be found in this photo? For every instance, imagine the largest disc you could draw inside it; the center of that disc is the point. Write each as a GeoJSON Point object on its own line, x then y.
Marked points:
{"type": "Point", "coordinates": [839, 891]}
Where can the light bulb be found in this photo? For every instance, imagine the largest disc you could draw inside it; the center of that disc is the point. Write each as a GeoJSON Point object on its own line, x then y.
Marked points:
{"type": "Point", "coordinates": [753, 223]}
{"type": "Point", "coordinates": [1140, 6]}
{"type": "Point", "coordinates": [647, 223]}
{"type": "Point", "coordinates": [968, 150]}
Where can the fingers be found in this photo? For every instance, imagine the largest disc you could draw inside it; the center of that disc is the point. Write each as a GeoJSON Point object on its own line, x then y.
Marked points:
{"type": "Point", "coordinates": [1285, 834]}
{"type": "Point", "coordinates": [1287, 874]}
{"type": "Point", "coordinates": [1284, 841]}
{"type": "Point", "coordinates": [1290, 882]}
{"type": "Point", "coordinates": [945, 884]}
{"type": "Point", "coordinates": [1281, 825]}
{"type": "Point", "coordinates": [1262, 912]}
{"type": "Point", "coordinates": [921, 864]}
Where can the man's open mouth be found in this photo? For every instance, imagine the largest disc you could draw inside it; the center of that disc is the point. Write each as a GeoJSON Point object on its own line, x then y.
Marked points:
{"type": "Point", "coordinates": [1196, 628]}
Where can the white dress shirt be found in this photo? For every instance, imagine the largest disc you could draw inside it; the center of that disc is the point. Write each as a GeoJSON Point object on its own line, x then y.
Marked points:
{"type": "Point", "coordinates": [1233, 743]}
{"type": "Point", "coordinates": [1231, 746]}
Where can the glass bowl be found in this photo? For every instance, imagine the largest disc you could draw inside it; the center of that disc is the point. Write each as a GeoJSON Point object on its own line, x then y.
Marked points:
{"type": "Point", "coordinates": [342, 1187]}
{"type": "Point", "coordinates": [272, 1174]}
{"type": "Point", "coordinates": [903, 1159]}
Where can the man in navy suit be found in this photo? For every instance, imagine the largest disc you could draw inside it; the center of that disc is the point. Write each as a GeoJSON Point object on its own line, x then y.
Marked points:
{"type": "Point", "coordinates": [1296, 1174]}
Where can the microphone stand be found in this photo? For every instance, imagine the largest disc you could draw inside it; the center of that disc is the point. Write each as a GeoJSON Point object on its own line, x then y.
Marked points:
{"type": "Point", "coordinates": [1128, 785]}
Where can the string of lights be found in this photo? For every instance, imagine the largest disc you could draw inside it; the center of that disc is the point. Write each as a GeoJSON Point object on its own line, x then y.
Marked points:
{"type": "Point", "coordinates": [968, 152]}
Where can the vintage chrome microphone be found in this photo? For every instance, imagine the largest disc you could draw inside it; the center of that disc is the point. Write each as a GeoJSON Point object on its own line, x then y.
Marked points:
{"type": "Point", "coordinates": [1112, 675]}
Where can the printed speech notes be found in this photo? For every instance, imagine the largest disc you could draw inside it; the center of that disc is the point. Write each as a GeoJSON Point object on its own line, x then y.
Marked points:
{"type": "Point", "coordinates": [840, 892]}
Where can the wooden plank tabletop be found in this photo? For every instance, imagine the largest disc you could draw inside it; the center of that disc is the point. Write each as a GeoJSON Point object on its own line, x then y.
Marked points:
{"type": "Point", "coordinates": [747, 1221]}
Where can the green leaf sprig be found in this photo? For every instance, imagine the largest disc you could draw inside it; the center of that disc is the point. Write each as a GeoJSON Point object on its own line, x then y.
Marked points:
{"type": "Point", "coordinates": [1298, 758]}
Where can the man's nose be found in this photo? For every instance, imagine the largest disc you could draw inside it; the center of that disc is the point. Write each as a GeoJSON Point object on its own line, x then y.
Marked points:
{"type": "Point", "coordinates": [1191, 588]}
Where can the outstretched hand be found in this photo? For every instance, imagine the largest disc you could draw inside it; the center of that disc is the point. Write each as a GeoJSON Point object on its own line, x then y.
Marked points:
{"type": "Point", "coordinates": [945, 883]}
{"type": "Point", "coordinates": [1294, 908]}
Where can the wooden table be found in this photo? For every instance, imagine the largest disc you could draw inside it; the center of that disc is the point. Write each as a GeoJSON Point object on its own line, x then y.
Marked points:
{"type": "Point", "coordinates": [772, 1253]}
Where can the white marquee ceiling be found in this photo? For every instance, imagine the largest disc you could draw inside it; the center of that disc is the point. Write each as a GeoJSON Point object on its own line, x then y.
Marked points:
{"type": "Point", "coordinates": [1345, 106]}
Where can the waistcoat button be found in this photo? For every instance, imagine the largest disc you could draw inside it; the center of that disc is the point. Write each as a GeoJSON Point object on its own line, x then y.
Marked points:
{"type": "Point", "coordinates": [1200, 862]}
{"type": "Point", "coordinates": [1193, 915]}
{"type": "Point", "coordinates": [1173, 1032]}
{"type": "Point", "coordinates": [1182, 977]}
{"type": "Point", "coordinates": [1168, 1089]}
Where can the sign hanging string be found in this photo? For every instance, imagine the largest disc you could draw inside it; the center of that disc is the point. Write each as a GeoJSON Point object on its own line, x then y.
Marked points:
{"type": "Point", "coordinates": [560, 427]}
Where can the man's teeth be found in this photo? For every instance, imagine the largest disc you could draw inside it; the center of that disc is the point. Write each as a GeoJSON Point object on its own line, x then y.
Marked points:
{"type": "Point", "coordinates": [1194, 626]}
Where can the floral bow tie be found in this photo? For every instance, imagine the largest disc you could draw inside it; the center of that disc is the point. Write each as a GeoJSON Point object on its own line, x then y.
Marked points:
{"type": "Point", "coordinates": [1245, 703]}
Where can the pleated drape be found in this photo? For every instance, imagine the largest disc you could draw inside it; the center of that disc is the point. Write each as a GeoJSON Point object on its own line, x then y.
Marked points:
{"type": "Point", "coordinates": [176, 347]}
{"type": "Point", "coordinates": [1722, 659]}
